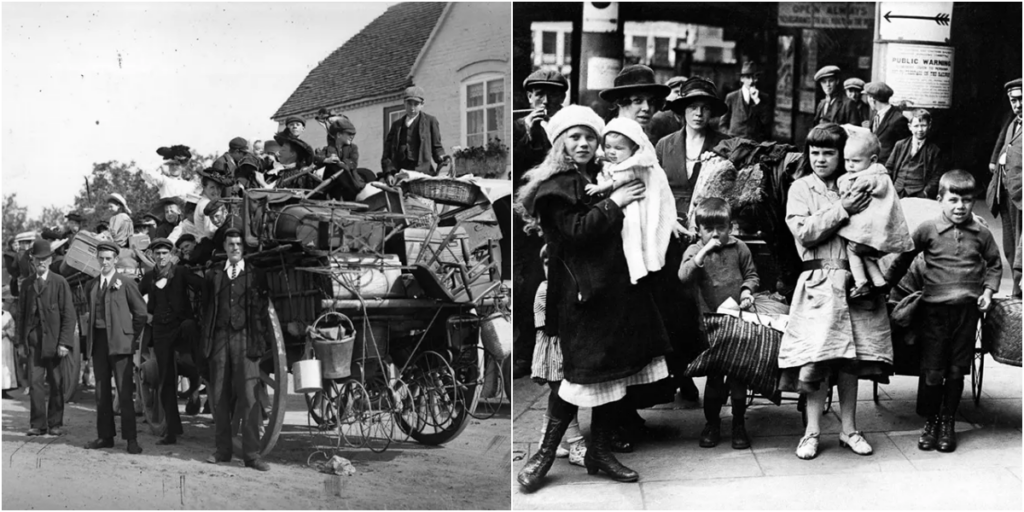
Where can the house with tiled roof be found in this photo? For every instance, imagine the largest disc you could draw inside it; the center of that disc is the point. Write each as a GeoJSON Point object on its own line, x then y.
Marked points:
{"type": "Point", "coordinates": [457, 52]}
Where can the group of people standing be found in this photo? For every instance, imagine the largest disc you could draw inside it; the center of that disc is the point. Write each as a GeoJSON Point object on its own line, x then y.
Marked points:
{"type": "Point", "coordinates": [629, 264]}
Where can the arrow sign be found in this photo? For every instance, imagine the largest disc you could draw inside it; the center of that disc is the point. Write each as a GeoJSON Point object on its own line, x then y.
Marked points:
{"type": "Point", "coordinates": [940, 19]}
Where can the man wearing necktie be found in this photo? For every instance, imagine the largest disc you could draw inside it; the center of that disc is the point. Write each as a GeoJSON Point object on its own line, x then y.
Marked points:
{"type": "Point", "coordinates": [117, 316]}
{"type": "Point", "coordinates": [888, 123]}
{"type": "Point", "coordinates": [1004, 191]}
{"type": "Point", "coordinates": [235, 336]}
{"type": "Point", "coordinates": [46, 326]}
{"type": "Point", "coordinates": [835, 107]}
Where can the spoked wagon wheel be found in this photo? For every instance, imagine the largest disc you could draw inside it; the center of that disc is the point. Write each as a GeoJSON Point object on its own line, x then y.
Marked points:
{"type": "Point", "coordinates": [977, 369]}
{"type": "Point", "coordinates": [438, 400]}
{"type": "Point", "coordinates": [272, 393]}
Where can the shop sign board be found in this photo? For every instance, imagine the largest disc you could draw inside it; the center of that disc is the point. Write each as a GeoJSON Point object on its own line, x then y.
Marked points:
{"type": "Point", "coordinates": [600, 17]}
{"type": "Point", "coordinates": [851, 15]}
{"type": "Point", "coordinates": [922, 74]}
{"type": "Point", "coordinates": [915, 21]}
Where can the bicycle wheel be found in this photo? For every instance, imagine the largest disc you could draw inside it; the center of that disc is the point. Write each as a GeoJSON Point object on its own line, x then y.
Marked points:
{"type": "Point", "coordinates": [379, 419]}
{"type": "Point", "coordinates": [439, 402]}
{"type": "Point", "coordinates": [353, 406]}
{"type": "Point", "coordinates": [322, 405]}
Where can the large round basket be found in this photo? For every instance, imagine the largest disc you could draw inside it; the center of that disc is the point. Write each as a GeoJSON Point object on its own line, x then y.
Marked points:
{"type": "Point", "coordinates": [445, 191]}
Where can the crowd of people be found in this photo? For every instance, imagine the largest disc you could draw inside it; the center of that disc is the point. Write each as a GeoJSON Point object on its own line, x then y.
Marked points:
{"type": "Point", "coordinates": [619, 254]}
{"type": "Point", "coordinates": [186, 249]}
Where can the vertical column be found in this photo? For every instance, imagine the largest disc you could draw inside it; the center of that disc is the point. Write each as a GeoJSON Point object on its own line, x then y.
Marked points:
{"type": "Point", "coordinates": [601, 50]}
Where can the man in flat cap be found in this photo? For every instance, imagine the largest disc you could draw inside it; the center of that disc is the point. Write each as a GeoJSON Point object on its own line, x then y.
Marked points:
{"type": "Point", "coordinates": [46, 325]}
{"type": "Point", "coordinates": [414, 141]}
{"type": "Point", "coordinates": [749, 114]}
{"type": "Point", "coordinates": [835, 107]}
{"type": "Point", "coordinates": [1004, 191]}
{"type": "Point", "coordinates": [117, 316]}
{"type": "Point", "coordinates": [854, 88]}
{"type": "Point", "coordinates": [295, 126]}
{"type": "Point", "coordinates": [228, 162]}
{"type": "Point", "coordinates": [666, 122]}
{"type": "Point", "coordinates": [887, 123]}
{"type": "Point", "coordinates": [341, 162]}
{"type": "Point", "coordinates": [174, 326]}
{"type": "Point", "coordinates": [235, 335]}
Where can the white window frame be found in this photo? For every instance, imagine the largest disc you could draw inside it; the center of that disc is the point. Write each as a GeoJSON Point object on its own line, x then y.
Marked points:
{"type": "Point", "coordinates": [482, 78]}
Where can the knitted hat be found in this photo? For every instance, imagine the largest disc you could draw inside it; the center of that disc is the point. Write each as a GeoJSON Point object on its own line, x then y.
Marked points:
{"type": "Point", "coordinates": [415, 92]}
{"type": "Point", "coordinates": [574, 115]}
{"type": "Point", "coordinates": [854, 83]}
{"type": "Point", "coordinates": [238, 143]}
{"type": "Point", "coordinates": [632, 79]}
{"type": "Point", "coordinates": [825, 72]}
{"type": "Point", "coordinates": [546, 77]}
{"type": "Point", "coordinates": [119, 199]}
{"type": "Point", "coordinates": [878, 90]}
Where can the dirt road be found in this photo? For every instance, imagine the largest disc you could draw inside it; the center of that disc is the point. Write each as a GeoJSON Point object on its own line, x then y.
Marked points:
{"type": "Point", "coordinates": [471, 472]}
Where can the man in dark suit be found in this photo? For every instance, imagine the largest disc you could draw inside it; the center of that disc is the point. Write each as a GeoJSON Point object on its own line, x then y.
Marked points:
{"type": "Point", "coordinates": [228, 162]}
{"type": "Point", "coordinates": [749, 114]}
{"type": "Point", "coordinates": [545, 90]}
{"type": "Point", "coordinates": [835, 107]}
{"type": "Point", "coordinates": [174, 326]}
{"type": "Point", "coordinates": [46, 325]}
{"type": "Point", "coordinates": [117, 315]}
{"type": "Point", "coordinates": [414, 141]}
{"type": "Point", "coordinates": [887, 123]}
{"type": "Point", "coordinates": [1004, 191]}
{"type": "Point", "coordinates": [234, 337]}
{"type": "Point", "coordinates": [854, 88]}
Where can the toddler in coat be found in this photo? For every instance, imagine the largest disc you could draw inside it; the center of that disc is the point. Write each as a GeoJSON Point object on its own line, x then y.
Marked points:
{"type": "Point", "coordinates": [648, 224]}
{"type": "Point", "coordinates": [881, 228]}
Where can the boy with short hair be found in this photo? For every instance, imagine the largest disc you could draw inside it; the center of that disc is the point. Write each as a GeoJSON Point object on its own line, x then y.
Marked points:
{"type": "Point", "coordinates": [962, 268]}
{"type": "Point", "coordinates": [916, 164]}
{"type": "Point", "coordinates": [722, 268]}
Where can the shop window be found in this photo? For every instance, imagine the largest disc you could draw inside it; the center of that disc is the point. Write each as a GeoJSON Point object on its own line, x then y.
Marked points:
{"type": "Point", "coordinates": [661, 50]}
{"type": "Point", "coordinates": [483, 109]}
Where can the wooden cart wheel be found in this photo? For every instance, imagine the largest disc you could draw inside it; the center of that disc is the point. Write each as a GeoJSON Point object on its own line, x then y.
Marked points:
{"type": "Point", "coordinates": [274, 393]}
{"type": "Point", "coordinates": [438, 399]}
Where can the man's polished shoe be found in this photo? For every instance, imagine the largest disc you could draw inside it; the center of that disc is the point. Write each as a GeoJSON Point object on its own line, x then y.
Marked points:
{"type": "Point", "coordinates": [35, 432]}
{"type": "Point", "coordinates": [55, 432]}
{"type": "Point", "coordinates": [133, 447]}
{"type": "Point", "coordinates": [99, 443]}
{"type": "Point", "coordinates": [167, 440]}
{"type": "Point", "coordinates": [257, 464]}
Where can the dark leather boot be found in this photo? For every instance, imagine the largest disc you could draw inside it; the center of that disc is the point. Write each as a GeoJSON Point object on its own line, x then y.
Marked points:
{"type": "Point", "coordinates": [947, 435]}
{"type": "Point", "coordinates": [600, 457]}
{"type": "Point", "coordinates": [533, 472]}
{"type": "Point", "coordinates": [929, 436]}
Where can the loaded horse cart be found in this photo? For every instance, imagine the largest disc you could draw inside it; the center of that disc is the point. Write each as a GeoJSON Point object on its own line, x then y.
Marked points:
{"type": "Point", "coordinates": [391, 312]}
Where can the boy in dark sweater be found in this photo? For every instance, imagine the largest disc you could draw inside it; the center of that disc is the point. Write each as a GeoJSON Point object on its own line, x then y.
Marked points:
{"type": "Point", "coordinates": [962, 268]}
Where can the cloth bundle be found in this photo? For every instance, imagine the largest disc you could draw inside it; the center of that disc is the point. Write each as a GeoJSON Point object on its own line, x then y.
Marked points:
{"type": "Point", "coordinates": [742, 350]}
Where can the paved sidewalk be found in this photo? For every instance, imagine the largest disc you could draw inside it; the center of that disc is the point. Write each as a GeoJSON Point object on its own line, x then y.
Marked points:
{"type": "Point", "coordinates": [675, 473]}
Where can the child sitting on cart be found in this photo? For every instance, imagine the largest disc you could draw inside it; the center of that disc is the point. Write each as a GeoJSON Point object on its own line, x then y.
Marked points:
{"type": "Point", "coordinates": [547, 369]}
{"type": "Point", "coordinates": [722, 268]}
{"type": "Point", "coordinates": [962, 269]}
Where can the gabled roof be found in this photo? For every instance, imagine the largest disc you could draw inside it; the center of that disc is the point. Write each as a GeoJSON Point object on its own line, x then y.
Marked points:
{"type": "Point", "coordinates": [375, 62]}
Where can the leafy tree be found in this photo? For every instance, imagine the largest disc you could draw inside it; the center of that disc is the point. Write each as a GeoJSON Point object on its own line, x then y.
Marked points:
{"type": "Point", "coordinates": [15, 218]}
{"type": "Point", "coordinates": [110, 177]}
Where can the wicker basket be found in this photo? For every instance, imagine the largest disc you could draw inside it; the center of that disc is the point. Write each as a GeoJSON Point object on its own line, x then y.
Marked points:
{"type": "Point", "coordinates": [445, 191]}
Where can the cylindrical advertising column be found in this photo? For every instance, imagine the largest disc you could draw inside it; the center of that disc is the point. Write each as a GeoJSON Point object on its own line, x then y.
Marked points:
{"type": "Point", "coordinates": [601, 49]}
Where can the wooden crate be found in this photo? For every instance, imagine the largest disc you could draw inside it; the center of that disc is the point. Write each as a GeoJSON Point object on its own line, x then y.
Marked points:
{"type": "Point", "coordinates": [81, 254]}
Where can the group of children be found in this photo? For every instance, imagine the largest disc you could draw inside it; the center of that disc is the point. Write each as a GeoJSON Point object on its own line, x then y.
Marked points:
{"type": "Point", "coordinates": [961, 261]}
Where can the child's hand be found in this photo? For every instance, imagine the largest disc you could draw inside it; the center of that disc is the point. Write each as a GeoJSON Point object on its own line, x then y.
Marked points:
{"type": "Point", "coordinates": [985, 301]}
{"type": "Point", "coordinates": [591, 189]}
{"type": "Point", "coordinates": [713, 245]}
{"type": "Point", "coordinates": [746, 299]}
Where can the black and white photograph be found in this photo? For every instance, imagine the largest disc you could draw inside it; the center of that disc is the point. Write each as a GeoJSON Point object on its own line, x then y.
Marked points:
{"type": "Point", "coordinates": [257, 255]}
{"type": "Point", "coordinates": [766, 255]}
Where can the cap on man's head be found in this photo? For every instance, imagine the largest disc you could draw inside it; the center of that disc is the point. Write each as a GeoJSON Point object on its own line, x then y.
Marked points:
{"type": "Point", "coordinates": [238, 143]}
{"type": "Point", "coordinates": [854, 83]}
{"type": "Point", "coordinates": [878, 90]}
{"type": "Point", "coordinates": [212, 207]}
{"type": "Point", "coordinates": [108, 246]}
{"type": "Point", "coordinates": [1013, 88]}
{"type": "Point", "coordinates": [187, 237]}
{"type": "Point", "coordinates": [341, 126]}
{"type": "Point", "coordinates": [161, 242]}
{"type": "Point", "coordinates": [294, 119]}
{"type": "Point", "coordinates": [232, 232]}
{"type": "Point", "coordinates": [546, 77]}
{"type": "Point", "coordinates": [150, 216]}
{"type": "Point", "coordinates": [826, 72]}
{"type": "Point", "coordinates": [415, 93]}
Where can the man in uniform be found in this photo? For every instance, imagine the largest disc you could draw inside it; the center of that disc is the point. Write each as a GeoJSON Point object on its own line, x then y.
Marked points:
{"type": "Point", "coordinates": [46, 325]}
{"type": "Point", "coordinates": [234, 339]}
{"type": "Point", "coordinates": [174, 326]}
{"type": "Point", "coordinates": [117, 316]}
{"type": "Point", "coordinates": [1004, 191]}
{"type": "Point", "coordinates": [414, 141]}
{"type": "Point", "coordinates": [888, 123]}
{"type": "Point", "coordinates": [835, 107]}
{"type": "Point", "coordinates": [749, 114]}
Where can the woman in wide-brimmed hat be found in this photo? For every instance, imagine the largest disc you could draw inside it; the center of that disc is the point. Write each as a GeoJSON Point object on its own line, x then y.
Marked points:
{"type": "Point", "coordinates": [295, 156]}
{"type": "Point", "coordinates": [636, 95]}
{"type": "Point", "coordinates": [121, 226]}
{"type": "Point", "coordinates": [215, 184]}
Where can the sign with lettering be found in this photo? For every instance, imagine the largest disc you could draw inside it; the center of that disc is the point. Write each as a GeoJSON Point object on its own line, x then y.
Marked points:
{"type": "Point", "coordinates": [852, 15]}
{"type": "Point", "coordinates": [921, 74]}
{"type": "Point", "coordinates": [915, 21]}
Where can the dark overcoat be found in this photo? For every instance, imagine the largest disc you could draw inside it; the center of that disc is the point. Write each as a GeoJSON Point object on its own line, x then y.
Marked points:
{"type": "Point", "coordinates": [1012, 180]}
{"type": "Point", "coordinates": [747, 120]}
{"type": "Point", "coordinates": [934, 165]}
{"type": "Point", "coordinates": [530, 146]}
{"type": "Point", "coordinates": [125, 314]}
{"type": "Point", "coordinates": [840, 111]}
{"type": "Point", "coordinates": [180, 280]}
{"type": "Point", "coordinates": [671, 152]}
{"type": "Point", "coordinates": [56, 314]}
{"type": "Point", "coordinates": [431, 149]}
{"type": "Point", "coordinates": [891, 129]}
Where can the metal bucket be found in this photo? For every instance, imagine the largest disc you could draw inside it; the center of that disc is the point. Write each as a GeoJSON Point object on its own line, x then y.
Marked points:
{"type": "Point", "coordinates": [307, 376]}
{"type": "Point", "coordinates": [333, 346]}
{"type": "Point", "coordinates": [496, 335]}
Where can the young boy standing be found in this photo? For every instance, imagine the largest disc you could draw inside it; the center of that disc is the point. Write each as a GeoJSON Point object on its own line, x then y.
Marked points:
{"type": "Point", "coordinates": [962, 271]}
{"type": "Point", "coordinates": [916, 163]}
{"type": "Point", "coordinates": [722, 268]}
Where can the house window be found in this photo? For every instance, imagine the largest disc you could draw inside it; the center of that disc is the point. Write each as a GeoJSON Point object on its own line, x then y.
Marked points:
{"type": "Point", "coordinates": [484, 107]}
{"type": "Point", "coordinates": [566, 48]}
{"type": "Point", "coordinates": [640, 47]}
{"type": "Point", "coordinates": [392, 114]}
{"type": "Point", "coordinates": [661, 45]}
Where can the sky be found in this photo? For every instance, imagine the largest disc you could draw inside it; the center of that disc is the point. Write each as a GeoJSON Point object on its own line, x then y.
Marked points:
{"type": "Point", "coordinates": [92, 82]}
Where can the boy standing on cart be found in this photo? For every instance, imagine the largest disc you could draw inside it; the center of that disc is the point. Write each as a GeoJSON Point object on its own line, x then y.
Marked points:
{"type": "Point", "coordinates": [414, 141]}
{"type": "Point", "coordinates": [234, 340]}
{"type": "Point", "coordinates": [962, 269]}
